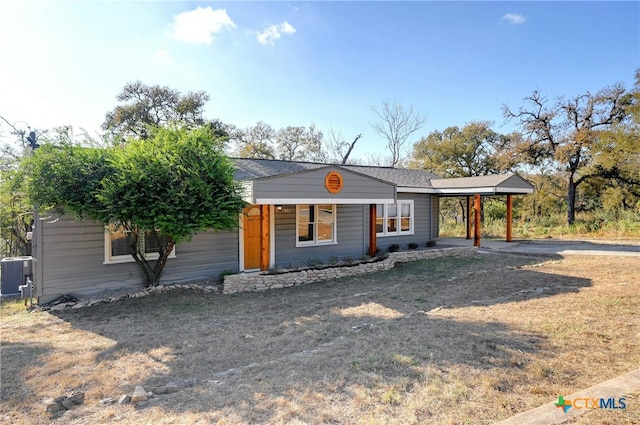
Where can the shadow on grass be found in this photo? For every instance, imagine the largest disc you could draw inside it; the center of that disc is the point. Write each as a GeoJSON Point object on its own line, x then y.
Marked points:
{"type": "Point", "coordinates": [255, 355]}
{"type": "Point", "coordinates": [16, 360]}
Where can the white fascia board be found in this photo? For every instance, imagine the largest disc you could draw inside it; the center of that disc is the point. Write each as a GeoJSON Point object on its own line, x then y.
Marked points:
{"type": "Point", "coordinates": [406, 189]}
{"type": "Point", "coordinates": [303, 201]}
{"type": "Point", "coordinates": [513, 190]}
{"type": "Point", "coordinates": [487, 190]}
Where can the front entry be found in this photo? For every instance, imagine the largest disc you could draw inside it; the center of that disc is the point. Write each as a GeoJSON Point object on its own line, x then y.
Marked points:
{"type": "Point", "coordinates": [252, 237]}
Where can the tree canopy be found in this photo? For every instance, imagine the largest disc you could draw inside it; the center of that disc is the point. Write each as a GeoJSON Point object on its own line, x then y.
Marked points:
{"type": "Point", "coordinates": [570, 134]}
{"type": "Point", "coordinates": [145, 107]}
{"type": "Point", "coordinates": [291, 143]}
{"type": "Point", "coordinates": [472, 150]}
{"type": "Point", "coordinates": [175, 183]}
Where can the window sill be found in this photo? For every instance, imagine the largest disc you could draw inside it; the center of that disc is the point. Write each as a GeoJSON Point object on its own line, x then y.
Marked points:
{"type": "Point", "coordinates": [130, 259]}
{"type": "Point", "coordinates": [390, 235]}
{"type": "Point", "coordinates": [305, 245]}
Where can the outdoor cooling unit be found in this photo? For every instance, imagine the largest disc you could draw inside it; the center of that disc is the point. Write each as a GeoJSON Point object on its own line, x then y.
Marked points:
{"type": "Point", "coordinates": [13, 273]}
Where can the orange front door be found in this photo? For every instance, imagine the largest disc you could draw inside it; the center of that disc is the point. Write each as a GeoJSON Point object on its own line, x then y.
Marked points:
{"type": "Point", "coordinates": [252, 237]}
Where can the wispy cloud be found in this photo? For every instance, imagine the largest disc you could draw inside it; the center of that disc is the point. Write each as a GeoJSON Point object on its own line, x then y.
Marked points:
{"type": "Point", "coordinates": [273, 32]}
{"type": "Point", "coordinates": [198, 26]}
{"type": "Point", "coordinates": [514, 18]}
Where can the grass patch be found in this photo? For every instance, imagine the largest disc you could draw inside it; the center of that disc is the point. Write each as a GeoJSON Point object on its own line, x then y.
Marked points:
{"type": "Point", "coordinates": [492, 335]}
{"type": "Point", "coordinates": [588, 225]}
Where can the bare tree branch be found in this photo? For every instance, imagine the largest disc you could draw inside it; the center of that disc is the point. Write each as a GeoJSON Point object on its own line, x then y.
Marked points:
{"type": "Point", "coordinates": [396, 124]}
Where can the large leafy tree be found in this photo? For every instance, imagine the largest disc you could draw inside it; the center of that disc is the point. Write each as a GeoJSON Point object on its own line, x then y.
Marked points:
{"type": "Point", "coordinates": [173, 184]}
{"type": "Point", "coordinates": [473, 150]}
{"type": "Point", "coordinates": [254, 142]}
{"type": "Point", "coordinates": [573, 135]}
{"type": "Point", "coordinates": [291, 143]}
{"type": "Point", "coordinates": [145, 107]}
{"type": "Point", "coordinates": [299, 143]}
{"type": "Point", "coordinates": [14, 211]}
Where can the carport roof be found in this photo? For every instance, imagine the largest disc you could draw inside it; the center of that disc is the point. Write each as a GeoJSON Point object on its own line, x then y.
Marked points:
{"type": "Point", "coordinates": [503, 184]}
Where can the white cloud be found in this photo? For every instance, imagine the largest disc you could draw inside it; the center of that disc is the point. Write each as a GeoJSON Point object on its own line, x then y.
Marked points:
{"type": "Point", "coordinates": [514, 18]}
{"type": "Point", "coordinates": [198, 26]}
{"type": "Point", "coordinates": [273, 32]}
{"type": "Point", "coordinates": [163, 56]}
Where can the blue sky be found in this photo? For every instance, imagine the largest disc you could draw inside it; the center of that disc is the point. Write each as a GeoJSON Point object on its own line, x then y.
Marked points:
{"type": "Point", "coordinates": [297, 62]}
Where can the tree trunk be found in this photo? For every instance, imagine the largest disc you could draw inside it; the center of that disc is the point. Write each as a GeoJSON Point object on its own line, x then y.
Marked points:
{"type": "Point", "coordinates": [137, 255]}
{"type": "Point", "coordinates": [162, 261]}
{"type": "Point", "coordinates": [462, 208]}
{"type": "Point", "coordinates": [571, 201]}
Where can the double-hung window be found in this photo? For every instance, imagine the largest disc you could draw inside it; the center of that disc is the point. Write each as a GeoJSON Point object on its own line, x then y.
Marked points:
{"type": "Point", "coordinates": [315, 225]}
{"type": "Point", "coordinates": [394, 219]}
{"type": "Point", "coordinates": [118, 247]}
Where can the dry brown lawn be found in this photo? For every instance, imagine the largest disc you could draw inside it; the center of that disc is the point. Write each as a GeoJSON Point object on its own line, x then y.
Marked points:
{"type": "Point", "coordinates": [468, 340]}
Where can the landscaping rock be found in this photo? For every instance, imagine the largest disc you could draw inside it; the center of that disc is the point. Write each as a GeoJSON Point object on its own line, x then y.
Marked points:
{"type": "Point", "coordinates": [125, 399]}
{"type": "Point", "coordinates": [139, 394]}
{"type": "Point", "coordinates": [68, 404]}
{"type": "Point", "coordinates": [77, 398]}
{"type": "Point", "coordinates": [52, 407]}
{"type": "Point", "coordinates": [164, 390]}
{"type": "Point", "coordinates": [62, 402]}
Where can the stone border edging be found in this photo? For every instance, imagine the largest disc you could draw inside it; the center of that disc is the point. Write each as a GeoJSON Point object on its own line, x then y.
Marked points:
{"type": "Point", "coordinates": [256, 282]}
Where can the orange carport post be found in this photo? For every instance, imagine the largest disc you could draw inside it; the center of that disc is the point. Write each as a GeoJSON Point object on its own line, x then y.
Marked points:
{"type": "Point", "coordinates": [476, 219]}
{"type": "Point", "coordinates": [372, 230]}
{"type": "Point", "coordinates": [468, 221]}
{"type": "Point", "coordinates": [509, 216]}
{"type": "Point", "coordinates": [264, 237]}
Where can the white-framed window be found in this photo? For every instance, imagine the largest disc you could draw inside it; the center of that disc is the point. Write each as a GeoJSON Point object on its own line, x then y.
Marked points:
{"type": "Point", "coordinates": [315, 225]}
{"type": "Point", "coordinates": [394, 219]}
{"type": "Point", "coordinates": [117, 245]}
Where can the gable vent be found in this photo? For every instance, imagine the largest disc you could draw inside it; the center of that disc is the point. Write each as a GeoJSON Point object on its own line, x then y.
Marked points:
{"type": "Point", "coordinates": [333, 182]}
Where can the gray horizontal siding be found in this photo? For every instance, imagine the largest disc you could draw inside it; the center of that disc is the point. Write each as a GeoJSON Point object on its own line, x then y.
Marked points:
{"type": "Point", "coordinates": [311, 184]}
{"type": "Point", "coordinates": [350, 237]}
{"type": "Point", "coordinates": [73, 255]}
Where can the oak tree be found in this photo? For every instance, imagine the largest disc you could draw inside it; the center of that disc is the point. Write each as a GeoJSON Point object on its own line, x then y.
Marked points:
{"type": "Point", "coordinates": [568, 134]}
{"type": "Point", "coordinates": [473, 150]}
{"type": "Point", "coordinates": [145, 107]}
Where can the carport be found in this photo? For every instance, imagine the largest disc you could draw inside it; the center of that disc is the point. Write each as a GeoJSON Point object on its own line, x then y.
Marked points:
{"type": "Point", "coordinates": [477, 187]}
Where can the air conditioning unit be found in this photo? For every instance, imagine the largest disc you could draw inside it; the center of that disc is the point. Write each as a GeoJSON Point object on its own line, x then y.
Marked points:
{"type": "Point", "coordinates": [13, 273]}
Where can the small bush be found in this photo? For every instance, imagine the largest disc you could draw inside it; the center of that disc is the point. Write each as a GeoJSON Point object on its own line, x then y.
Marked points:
{"type": "Point", "coordinates": [393, 247]}
{"type": "Point", "coordinates": [224, 273]}
{"type": "Point", "coordinates": [314, 262]}
{"type": "Point", "coordinates": [413, 245]}
{"type": "Point", "coordinates": [429, 244]}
